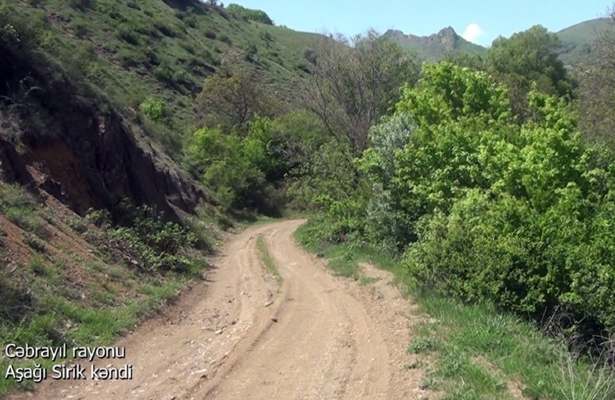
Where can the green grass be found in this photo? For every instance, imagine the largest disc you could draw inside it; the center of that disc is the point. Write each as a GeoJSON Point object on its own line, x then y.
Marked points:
{"type": "Point", "coordinates": [268, 261]}
{"type": "Point", "coordinates": [63, 320]}
{"type": "Point", "coordinates": [476, 351]}
{"type": "Point", "coordinates": [133, 51]}
{"type": "Point", "coordinates": [20, 207]}
{"type": "Point", "coordinates": [45, 303]}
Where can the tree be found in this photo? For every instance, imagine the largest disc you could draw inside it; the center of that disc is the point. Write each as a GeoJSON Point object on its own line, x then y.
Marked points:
{"type": "Point", "coordinates": [234, 95]}
{"type": "Point", "coordinates": [355, 82]}
{"type": "Point", "coordinates": [526, 59]}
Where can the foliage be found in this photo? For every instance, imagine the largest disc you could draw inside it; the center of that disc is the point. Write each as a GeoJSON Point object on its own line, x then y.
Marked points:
{"type": "Point", "coordinates": [328, 176]}
{"type": "Point", "coordinates": [17, 32]}
{"type": "Point", "coordinates": [155, 244]}
{"type": "Point", "coordinates": [248, 14]}
{"type": "Point", "coordinates": [526, 59]}
{"type": "Point", "coordinates": [448, 92]}
{"type": "Point", "coordinates": [487, 207]}
{"type": "Point", "coordinates": [83, 5]}
{"type": "Point", "coordinates": [355, 82]}
{"type": "Point", "coordinates": [233, 96]}
{"type": "Point", "coordinates": [474, 350]}
{"type": "Point", "coordinates": [383, 223]}
{"type": "Point", "coordinates": [155, 109]}
{"type": "Point", "coordinates": [237, 167]}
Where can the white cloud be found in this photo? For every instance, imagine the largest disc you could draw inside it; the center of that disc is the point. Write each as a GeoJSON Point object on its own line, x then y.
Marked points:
{"type": "Point", "coordinates": [472, 32]}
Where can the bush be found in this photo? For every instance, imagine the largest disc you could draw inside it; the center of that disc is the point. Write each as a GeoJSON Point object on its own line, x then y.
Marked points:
{"type": "Point", "coordinates": [225, 39]}
{"type": "Point", "coordinates": [226, 164]}
{"type": "Point", "coordinates": [519, 214]}
{"type": "Point", "coordinates": [83, 5]}
{"type": "Point", "coordinates": [152, 243]}
{"type": "Point", "coordinates": [238, 11]}
{"type": "Point", "coordinates": [16, 32]}
{"type": "Point", "coordinates": [128, 36]}
{"type": "Point", "coordinates": [154, 109]}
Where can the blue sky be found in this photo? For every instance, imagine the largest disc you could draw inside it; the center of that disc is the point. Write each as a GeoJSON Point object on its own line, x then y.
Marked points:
{"type": "Point", "coordinates": [481, 21]}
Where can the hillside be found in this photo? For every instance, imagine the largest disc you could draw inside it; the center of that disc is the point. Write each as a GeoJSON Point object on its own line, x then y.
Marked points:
{"type": "Point", "coordinates": [100, 224]}
{"type": "Point", "coordinates": [140, 139]}
{"type": "Point", "coordinates": [133, 51]}
{"type": "Point", "coordinates": [577, 40]}
{"type": "Point", "coordinates": [434, 47]}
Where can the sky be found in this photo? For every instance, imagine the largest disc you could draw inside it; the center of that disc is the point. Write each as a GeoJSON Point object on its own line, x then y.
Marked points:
{"type": "Point", "coordinates": [478, 21]}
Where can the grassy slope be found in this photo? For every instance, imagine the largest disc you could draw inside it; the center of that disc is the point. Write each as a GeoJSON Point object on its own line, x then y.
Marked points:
{"type": "Point", "coordinates": [577, 39]}
{"type": "Point", "coordinates": [133, 50]}
{"type": "Point", "coordinates": [476, 351]}
{"type": "Point", "coordinates": [64, 280]}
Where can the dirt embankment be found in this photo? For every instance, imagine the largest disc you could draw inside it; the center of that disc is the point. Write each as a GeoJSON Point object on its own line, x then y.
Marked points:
{"type": "Point", "coordinates": [243, 335]}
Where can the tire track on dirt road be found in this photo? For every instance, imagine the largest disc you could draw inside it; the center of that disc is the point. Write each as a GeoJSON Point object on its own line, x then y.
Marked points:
{"type": "Point", "coordinates": [244, 335]}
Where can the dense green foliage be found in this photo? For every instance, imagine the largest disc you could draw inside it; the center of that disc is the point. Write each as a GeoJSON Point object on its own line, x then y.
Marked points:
{"type": "Point", "coordinates": [248, 169]}
{"type": "Point", "coordinates": [487, 208]}
{"type": "Point", "coordinates": [529, 59]}
{"type": "Point", "coordinates": [154, 244]}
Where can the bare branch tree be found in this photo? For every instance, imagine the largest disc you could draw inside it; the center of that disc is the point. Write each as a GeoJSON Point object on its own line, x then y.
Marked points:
{"type": "Point", "coordinates": [234, 95]}
{"type": "Point", "coordinates": [354, 82]}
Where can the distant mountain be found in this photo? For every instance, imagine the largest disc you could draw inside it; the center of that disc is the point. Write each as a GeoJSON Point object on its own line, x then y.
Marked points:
{"type": "Point", "coordinates": [434, 47]}
{"type": "Point", "coordinates": [577, 39]}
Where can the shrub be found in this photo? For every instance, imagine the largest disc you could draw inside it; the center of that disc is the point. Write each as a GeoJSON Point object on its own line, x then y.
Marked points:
{"type": "Point", "coordinates": [225, 39]}
{"type": "Point", "coordinates": [154, 109]}
{"type": "Point", "coordinates": [243, 171]}
{"type": "Point", "coordinates": [238, 11]}
{"type": "Point", "coordinates": [492, 209]}
{"type": "Point", "coordinates": [16, 32]}
{"type": "Point", "coordinates": [151, 242]}
{"type": "Point", "coordinates": [83, 5]}
{"type": "Point", "coordinates": [166, 30]}
{"type": "Point", "coordinates": [81, 30]}
{"type": "Point", "coordinates": [16, 300]}
{"type": "Point", "coordinates": [127, 35]}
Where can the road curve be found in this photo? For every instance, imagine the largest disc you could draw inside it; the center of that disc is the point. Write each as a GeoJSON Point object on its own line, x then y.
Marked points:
{"type": "Point", "coordinates": [245, 335]}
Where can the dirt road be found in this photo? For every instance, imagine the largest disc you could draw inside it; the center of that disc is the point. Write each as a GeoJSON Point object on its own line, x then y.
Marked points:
{"type": "Point", "coordinates": [246, 335]}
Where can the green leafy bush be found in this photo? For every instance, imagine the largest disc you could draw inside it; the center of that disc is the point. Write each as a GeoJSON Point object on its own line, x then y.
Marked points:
{"type": "Point", "coordinates": [514, 214]}
{"type": "Point", "coordinates": [155, 109]}
{"type": "Point", "coordinates": [488, 208]}
{"type": "Point", "coordinates": [153, 243]}
{"type": "Point", "coordinates": [234, 167]}
{"type": "Point", "coordinates": [238, 11]}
